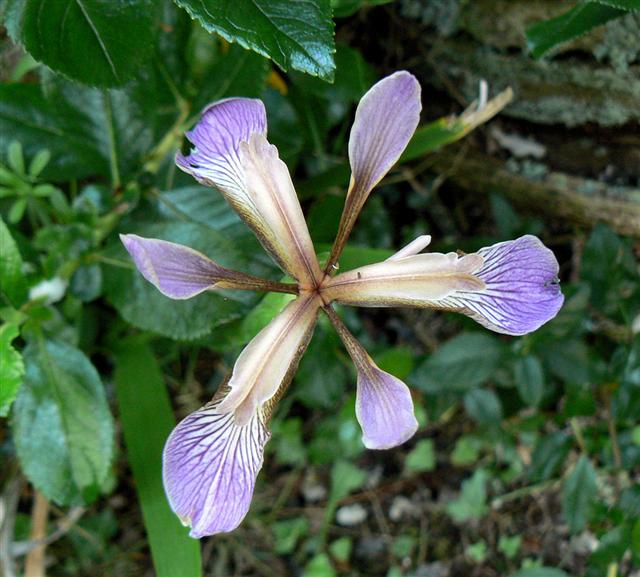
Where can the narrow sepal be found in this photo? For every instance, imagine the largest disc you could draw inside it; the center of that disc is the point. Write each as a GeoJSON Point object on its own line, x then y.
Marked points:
{"type": "Point", "coordinates": [384, 407]}
{"type": "Point", "coordinates": [386, 118]}
{"type": "Point", "coordinates": [180, 272]}
{"type": "Point", "coordinates": [210, 466]}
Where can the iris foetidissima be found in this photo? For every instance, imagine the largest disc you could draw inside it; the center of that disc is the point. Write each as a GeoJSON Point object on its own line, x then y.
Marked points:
{"type": "Point", "coordinates": [212, 458]}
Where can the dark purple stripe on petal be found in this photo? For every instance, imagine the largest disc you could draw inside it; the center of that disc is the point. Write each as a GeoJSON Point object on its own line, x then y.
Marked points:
{"type": "Point", "coordinates": [214, 159]}
{"type": "Point", "coordinates": [522, 287]}
{"type": "Point", "coordinates": [210, 469]}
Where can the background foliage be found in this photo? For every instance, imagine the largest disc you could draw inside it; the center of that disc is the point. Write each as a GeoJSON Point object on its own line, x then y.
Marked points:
{"type": "Point", "coordinates": [526, 463]}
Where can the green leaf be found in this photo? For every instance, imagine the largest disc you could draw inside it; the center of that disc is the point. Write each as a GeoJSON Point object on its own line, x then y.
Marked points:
{"type": "Point", "coordinates": [293, 34]}
{"type": "Point", "coordinates": [319, 566]}
{"type": "Point", "coordinates": [237, 73]}
{"type": "Point", "coordinates": [398, 361]}
{"type": "Point", "coordinates": [483, 406]}
{"type": "Point", "coordinates": [38, 123]}
{"type": "Point", "coordinates": [622, 4]}
{"type": "Point", "coordinates": [578, 493]}
{"type": "Point", "coordinates": [461, 364]}
{"type": "Point", "coordinates": [540, 572]}
{"type": "Point", "coordinates": [142, 305]}
{"type": "Point", "coordinates": [288, 533]}
{"type": "Point", "coordinates": [345, 478]}
{"type": "Point", "coordinates": [548, 455]}
{"type": "Point", "coordinates": [422, 457]}
{"type": "Point", "coordinates": [62, 426]}
{"type": "Point", "coordinates": [545, 35]}
{"type": "Point", "coordinates": [529, 377]}
{"type": "Point", "coordinates": [97, 42]}
{"type": "Point", "coordinates": [12, 281]}
{"type": "Point", "coordinates": [141, 392]}
{"type": "Point", "coordinates": [11, 368]}
{"type": "Point", "coordinates": [472, 502]}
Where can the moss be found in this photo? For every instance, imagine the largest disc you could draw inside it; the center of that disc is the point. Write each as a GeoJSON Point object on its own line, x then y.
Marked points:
{"type": "Point", "coordinates": [620, 45]}
{"type": "Point", "coordinates": [549, 92]}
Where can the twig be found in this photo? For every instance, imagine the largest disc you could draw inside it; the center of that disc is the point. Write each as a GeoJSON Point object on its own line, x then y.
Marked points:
{"type": "Point", "coordinates": [34, 563]}
{"type": "Point", "coordinates": [20, 548]}
{"type": "Point", "coordinates": [8, 506]}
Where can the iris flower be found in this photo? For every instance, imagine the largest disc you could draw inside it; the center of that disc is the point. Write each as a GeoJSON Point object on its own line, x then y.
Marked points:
{"type": "Point", "coordinates": [212, 458]}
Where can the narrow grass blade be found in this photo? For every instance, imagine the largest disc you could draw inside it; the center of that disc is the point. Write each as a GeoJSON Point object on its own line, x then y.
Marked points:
{"type": "Point", "coordinates": [147, 420]}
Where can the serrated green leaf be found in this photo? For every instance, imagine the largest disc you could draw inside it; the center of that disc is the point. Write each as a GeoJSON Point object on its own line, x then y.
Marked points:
{"type": "Point", "coordinates": [11, 368]}
{"type": "Point", "coordinates": [239, 72]}
{"type": "Point", "coordinates": [38, 122]}
{"type": "Point", "coordinates": [622, 4]}
{"type": "Point", "coordinates": [529, 376]}
{"type": "Point", "coordinates": [12, 281]}
{"type": "Point", "coordinates": [545, 35]}
{"type": "Point", "coordinates": [472, 502]}
{"type": "Point", "coordinates": [97, 42]}
{"type": "Point", "coordinates": [422, 457]}
{"type": "Point", "coordinates": [141, 392]}
{"type": "Point", "coordinates": [461, 364]}
{"type": "Point", "coordinates": [483, 406]}
{"type": "Point", "coordinates": [62, 426]}
{"type": "Point", "coordinates": [578, 492]}
{"type": "Point", "coordinates": [295, 35]}
{"type": "Point", "coordinates": [548, 455]}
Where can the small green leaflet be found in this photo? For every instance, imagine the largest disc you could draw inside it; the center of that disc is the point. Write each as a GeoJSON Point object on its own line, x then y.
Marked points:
{"type": "Point", "coordinates": [62, 426]}
{"type": "Point", "coordinates": [11, 368]}
{"type": "Point", "coordinates": [293, 34]}
{"type": "Point", "coordinates": [545, 35]}
{"type": "Point", "coordinates": [12, 281]}
{"type": "Point", "coordinates": [578, 494]}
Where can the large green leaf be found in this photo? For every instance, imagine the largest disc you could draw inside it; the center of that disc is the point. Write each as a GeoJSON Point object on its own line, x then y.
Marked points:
{"type": "Point", "coordinates": [293, 34]}
{"type": "Point", "coordinates": [238, 72]}
{"type": "Point", "coordinates": [62, 426]}
{"type": "Point", "coordinates": [12, 281]}
{"type": "Point", "coordinates": [578, 494]}
{"type": "Point", "coordinates": [98, 42]}
{"type": "Point", "coordinates": [27, 116]}
{"type": "Point", "coordinates": [545, 35]}
{"type": "Point", "coordinates": [11, 368]}
{"type": "Point", "coordinates": [461, 364]}
{"type": "Point", "coordinates": [141, 392]}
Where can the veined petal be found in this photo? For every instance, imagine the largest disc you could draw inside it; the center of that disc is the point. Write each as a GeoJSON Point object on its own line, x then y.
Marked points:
{"type": "Point", "coordinates": [510, 287]}
{"type": "Point", "coordinates": [384, 407]}
{"type": "Point", "coordinates": [522, 290]}
{"type": "Point", "coordinates": [231, 153]}
{"type": "Point", "coordinates": [214, 159]}
{"type": "Point", "coordinates": [266, 365]}
{"type": "Point", "coordinates": [210, 465]}
{"type": "Point", "coordinates": [180, 272]}
{"type": "Point", "coordinates": [418, 280]}
{"type": "Point", "coordinates": [386, 118]}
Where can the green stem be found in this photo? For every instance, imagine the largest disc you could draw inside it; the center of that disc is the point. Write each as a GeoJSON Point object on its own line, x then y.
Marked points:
{"type": "Point", "coordinates": [113, 156]}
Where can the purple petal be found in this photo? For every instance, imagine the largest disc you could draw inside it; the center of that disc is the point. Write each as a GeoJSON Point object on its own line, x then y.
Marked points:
{"type": "Point", "coordinates": [384, 409]}
{"type": "Point", "coordinates": [214, 159]}
{"type": "Point", "coordinates": [522, 287]}
{"type": "Point", "coordinates": [385, 121]}
{"type": "Point", "coordinates": [177, 271]}
{"type": "Point", "coordinates": [210, 469]}
{"type": "Point", "coordinates": [383, 403]}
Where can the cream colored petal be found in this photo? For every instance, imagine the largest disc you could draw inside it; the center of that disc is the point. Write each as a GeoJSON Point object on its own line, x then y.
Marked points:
{"type": "Point", "coordinates": [420, 280]}
{"type": "Point", "coordinates": [272, 209]}
{"type": "Point", "coordinates": [268, 362]}
{"type": "Point", "coordinates": [413, 248]}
